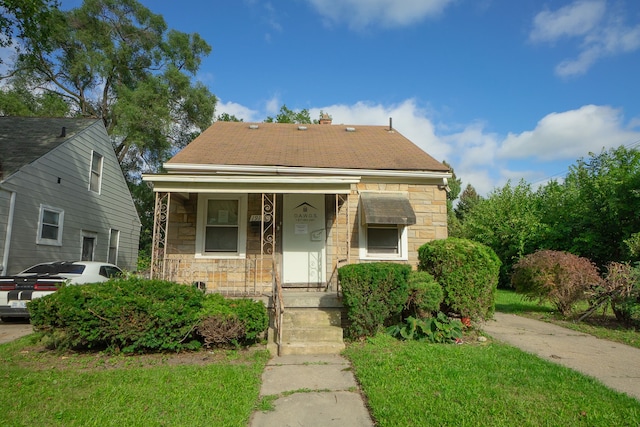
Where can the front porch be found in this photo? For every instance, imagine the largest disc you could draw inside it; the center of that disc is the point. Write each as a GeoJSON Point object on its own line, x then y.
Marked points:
{"type": "Point", "coordinates": [305, 318]}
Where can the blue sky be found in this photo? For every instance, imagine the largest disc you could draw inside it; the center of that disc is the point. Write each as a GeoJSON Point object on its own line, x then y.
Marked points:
{"type": "Point", "coordinates": [500, 89]}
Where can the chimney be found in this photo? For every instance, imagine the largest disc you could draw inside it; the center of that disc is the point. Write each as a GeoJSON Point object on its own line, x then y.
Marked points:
{"type": "Point", "coordinates": [325, 119]}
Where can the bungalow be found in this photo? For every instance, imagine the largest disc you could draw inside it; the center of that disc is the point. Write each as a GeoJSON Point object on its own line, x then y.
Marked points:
{"type": "Point", "coordinates": [254, 208]}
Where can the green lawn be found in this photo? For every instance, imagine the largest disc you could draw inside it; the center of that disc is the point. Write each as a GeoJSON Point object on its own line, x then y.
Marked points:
{"type": "Point", "coordinates": [44, 389]}
{"type": "Point", "coordinates": [419, 384]}
{"type": "Point", "coordinates": [405, 383]}
{"type": "Point", "coordinates": [600, 324]}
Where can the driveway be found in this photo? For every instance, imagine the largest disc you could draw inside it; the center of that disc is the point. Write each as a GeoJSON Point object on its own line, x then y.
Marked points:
{"type": "Point", "coordinates": [10, 331]}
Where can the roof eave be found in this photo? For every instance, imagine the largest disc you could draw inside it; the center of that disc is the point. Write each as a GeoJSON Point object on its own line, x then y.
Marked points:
{"type": "Point", "coordinates": [199, 169]}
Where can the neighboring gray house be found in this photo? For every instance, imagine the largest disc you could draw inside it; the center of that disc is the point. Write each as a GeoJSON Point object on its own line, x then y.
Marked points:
{"type": "Point", "coordinates": [62, 195]}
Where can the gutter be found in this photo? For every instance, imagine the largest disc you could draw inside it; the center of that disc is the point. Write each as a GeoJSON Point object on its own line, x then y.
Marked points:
{"type": "Point", "coordinates": [175, 169]}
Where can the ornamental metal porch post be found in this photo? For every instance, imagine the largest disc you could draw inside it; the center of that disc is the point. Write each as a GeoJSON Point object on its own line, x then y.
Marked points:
{"type": "Point", "coordinates": [160, 226]}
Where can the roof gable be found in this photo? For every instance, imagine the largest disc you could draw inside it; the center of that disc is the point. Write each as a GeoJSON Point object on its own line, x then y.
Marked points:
{"type": "Point", "coordinates": [26, 139]}
{"type": "Point", "coordinates": [309, 146]}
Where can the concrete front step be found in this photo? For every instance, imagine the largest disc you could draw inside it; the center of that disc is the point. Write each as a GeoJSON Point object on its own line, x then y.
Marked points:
{"type": "Point", "coordinates": [311, 334]}
{"type": "Point", "coordinates": [310, 348]}
{"type": "Point", "coordinates": [311, 324]}
{"type": "Point", "coordinates": [297, 299]}
{"type": "Point", "coordinates": [308, 316]}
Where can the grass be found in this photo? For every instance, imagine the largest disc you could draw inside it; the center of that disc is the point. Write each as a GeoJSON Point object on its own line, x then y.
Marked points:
{"type": "Point", "coordinates": [600, 324]}
{"type": "Point", "coordinates": [418, 384]}
{"type": "Point", "coordinates": [40, 388]}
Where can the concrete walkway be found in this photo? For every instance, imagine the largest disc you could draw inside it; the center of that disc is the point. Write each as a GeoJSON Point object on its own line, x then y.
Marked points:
{"type": "Point", "coordinates": [615, 365]}
{"type": "Point", "coordinates": [313, 391]}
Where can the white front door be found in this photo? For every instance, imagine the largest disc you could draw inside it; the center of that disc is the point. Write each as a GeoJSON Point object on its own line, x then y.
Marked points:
{"type": "Point", "coordinates": [303, 240]}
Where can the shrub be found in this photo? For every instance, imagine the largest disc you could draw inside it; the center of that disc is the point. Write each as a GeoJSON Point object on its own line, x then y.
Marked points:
{"type": "Point", "coordinates": [425, 295]}
{"type": "Point", "coordinates": [468, 273]}
{"type": "Point", "coordinates": [138, 315]}
{"type": "Point", "coordinates": [373, 293]}
{"type": "Point", "coordinates": [561, 278]}
{"type": "Point", "coordinates": [622, 286]}
{"type": "Point", "coordinates": [128, 315]}
{"type": "Point", "coordinates": [253, 316]}
{"type": "Point", "coordinates": [439, 329]}
{"type": "Point", "coordinates": [231, 321]}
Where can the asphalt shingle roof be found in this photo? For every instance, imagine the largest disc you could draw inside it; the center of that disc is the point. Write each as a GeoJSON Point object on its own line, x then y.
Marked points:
{"type": "Point", "coordinates": [25, 139]}
{"type": "Point", "coordinates": [319, 146]}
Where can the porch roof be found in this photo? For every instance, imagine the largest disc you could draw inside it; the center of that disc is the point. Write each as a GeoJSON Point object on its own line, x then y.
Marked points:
{"type": "Point", "coordinates": [184, 183]}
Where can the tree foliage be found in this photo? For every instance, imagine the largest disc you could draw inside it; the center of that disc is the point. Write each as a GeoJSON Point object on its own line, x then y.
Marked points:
{"type": "Point", "coordinates": [593, 213]}
{"type": "Point", "coordinates": [454, 186]}
{"type": "Point", "coordinates": [595, 210]}
{"type": "Point", "coordinates": [226, 117]}
{"type": "Point", "coordinates": [509, 222]}
{"type": "Point", "coordinates": [116, 60]}
{"type": "Point", "coordinates": [20, 20]}
{"type": "Point", "coordinates": [19, 100]}
{"type": "Point", "coordinates": [289, 116]}
{"type": "Point", "coordinates": [468, 199]}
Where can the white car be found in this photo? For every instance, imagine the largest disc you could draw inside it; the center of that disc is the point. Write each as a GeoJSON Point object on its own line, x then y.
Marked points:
{"type": "Point", "coordinates": [44, 279]}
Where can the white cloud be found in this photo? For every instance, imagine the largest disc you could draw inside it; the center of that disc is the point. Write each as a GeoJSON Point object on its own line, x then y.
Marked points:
{"type": "Point", "coordinates": [575, 19]}
{"type": "Point", "coordinates": [272, 106]}
{"type": "Point", "coordinates": [410, 120]}
{"type": "Point", "coordinates": [600, 32]}
{"type": "Point", "coordinates": [570, 135]}
{"type": "Point", "coordinates": [361, 14]}
{"type": "Point", "coordinates": [234, 109]}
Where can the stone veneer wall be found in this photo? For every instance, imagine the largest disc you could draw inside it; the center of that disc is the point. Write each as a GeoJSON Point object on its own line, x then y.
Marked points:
{"type": "Point", "coordinates": [254, 275]}
{"type": "Point", "coordinates": [428, 202]}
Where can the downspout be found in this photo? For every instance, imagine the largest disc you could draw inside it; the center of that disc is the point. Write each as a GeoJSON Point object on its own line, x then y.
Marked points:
{"type": "Point", "coordinates": [7, 239]}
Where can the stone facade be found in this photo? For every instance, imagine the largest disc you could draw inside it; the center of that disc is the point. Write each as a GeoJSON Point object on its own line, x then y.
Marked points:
{"type": "Point", "coordinates": [254, 275]}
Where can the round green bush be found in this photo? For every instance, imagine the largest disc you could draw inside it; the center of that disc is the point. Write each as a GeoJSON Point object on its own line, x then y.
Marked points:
{"type": "Point", "coordinates": [468, 273]}
{"type": "Point", "coordinates": [373, 293]}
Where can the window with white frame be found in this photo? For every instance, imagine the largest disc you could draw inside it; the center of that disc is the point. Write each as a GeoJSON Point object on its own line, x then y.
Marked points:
{"type": "Point", "coordinates": [50, 223]}
{"type": "Point", "coordinates": [384, 222]}
{"type": "Point", "coordinates": [114, 240]}
{"type": "Point", "coordinates": [96, 172]}
{"type": "Point", "coordinates": [222, 229]}
{"type": "Point", "coordinates": [383, 242]}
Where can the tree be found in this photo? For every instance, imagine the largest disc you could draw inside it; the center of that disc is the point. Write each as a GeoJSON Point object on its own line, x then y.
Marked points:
{"type": "Point", "coordinates": [509, 222]}
{"type": "Point", "coordinates": [226, 117]}
{"type": "Point", "coordinates": [595, 210]}
{"type": "Point", "coordinates": [116, 60]}
{"type": "Point", "coordinates": [454, 185]}
{"type": "Point", "coordinates": [20, 19]}
{"type": "Point", "coordinates": [18, 100]}
{"type": "Point", "coordinates": [289, 116]}
{"type": "Point", "coordinates": [468, 199]}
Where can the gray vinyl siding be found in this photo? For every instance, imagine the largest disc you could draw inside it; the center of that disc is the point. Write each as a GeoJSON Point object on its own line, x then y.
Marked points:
{"type": "Point", "coordinates": [60, 179]}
